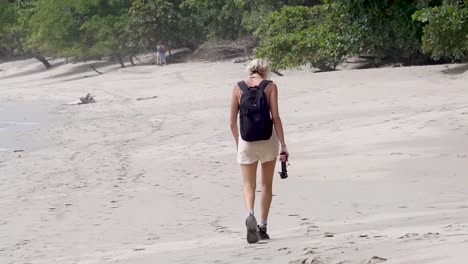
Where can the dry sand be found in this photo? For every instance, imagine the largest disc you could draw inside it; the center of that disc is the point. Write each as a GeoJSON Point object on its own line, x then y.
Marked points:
{"type": "Point", "coordinates": [379, 166]}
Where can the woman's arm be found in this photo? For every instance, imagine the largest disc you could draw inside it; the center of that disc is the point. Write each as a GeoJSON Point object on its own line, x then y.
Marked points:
{"type": "Point", "coordinates": [234, 112]}
{"type": "Point", "coordinates": [276, 116]}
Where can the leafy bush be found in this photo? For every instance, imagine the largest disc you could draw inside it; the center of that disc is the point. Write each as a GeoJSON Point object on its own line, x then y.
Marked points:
{"type": "Point", "coordinates": [8, 20]}
{"type": "Point", "coordinates": [52, 27]}
{"type": "Point", "coordinates": [446, 30]}
{"type": "Point", "coordinates": [294, 36]}
{"type": "Point", "coordinates": [387, 30]}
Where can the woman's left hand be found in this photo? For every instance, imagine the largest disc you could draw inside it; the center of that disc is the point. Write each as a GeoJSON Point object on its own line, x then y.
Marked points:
{"type": "Point", "coordinates": [284, 154]}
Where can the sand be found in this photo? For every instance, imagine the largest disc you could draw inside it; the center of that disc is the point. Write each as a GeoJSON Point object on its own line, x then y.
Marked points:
{"type": "Point", "coordinates": [379, 163]}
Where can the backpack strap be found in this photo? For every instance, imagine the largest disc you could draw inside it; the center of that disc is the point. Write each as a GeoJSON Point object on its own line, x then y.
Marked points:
{"type": "Point", "coordinates": [263, 84]}
{"type": "Point", "coordinates": [243, 86]}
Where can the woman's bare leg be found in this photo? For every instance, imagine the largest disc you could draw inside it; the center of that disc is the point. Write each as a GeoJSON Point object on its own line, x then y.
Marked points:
{"type": "Point", "coordinates": [268, 169]}
{"type": "Point", "coordinates": [249, 175]}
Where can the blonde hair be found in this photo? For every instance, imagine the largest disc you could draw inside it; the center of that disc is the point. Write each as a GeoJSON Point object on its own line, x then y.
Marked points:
{"type": "Point", "coordinates": [259, 67]}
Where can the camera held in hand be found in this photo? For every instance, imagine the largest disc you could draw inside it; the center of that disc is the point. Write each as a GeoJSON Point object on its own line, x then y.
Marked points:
{"type": "Point", "coordinates": [284, 172]}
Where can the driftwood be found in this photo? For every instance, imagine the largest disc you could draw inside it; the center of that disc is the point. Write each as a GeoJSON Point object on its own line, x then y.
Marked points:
{"type": "Point", "coordinates": [146, 98]}
{"type": "Point", "coordinates": [241, 60]}
{"type": "Point", "coordinates": [222, 50]}
{"type": "Point", "coordinates": [88, 99]}
{"type": "Point", "coordinates": [138, 59]}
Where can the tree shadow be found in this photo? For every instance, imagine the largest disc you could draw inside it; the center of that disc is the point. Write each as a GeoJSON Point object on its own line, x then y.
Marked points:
{"type": "Point", "coordinates": [37, 69]}
{"type": "Point", "coordinates": [82, 68]}
{"type": "Point", "coordinates": [459, 69]}
{"type": "Point", "coordinates": [93, 73]}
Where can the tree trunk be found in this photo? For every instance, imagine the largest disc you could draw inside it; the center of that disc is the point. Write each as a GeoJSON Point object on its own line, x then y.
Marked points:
{"type": "Point", "coordinates": [277, 73]}
{"type": "Point", "coordinates": [121, 61]}
{"type": "Point", "coordinates": [94, 69]}
{"type": "Point", "coordinates": [43, 60]}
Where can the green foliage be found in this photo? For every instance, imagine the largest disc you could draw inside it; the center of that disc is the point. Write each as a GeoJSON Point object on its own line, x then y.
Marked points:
{"type": "Point", "coordinates": [320, 33]}
{"type": "Point", "coordinates": [221, 18]}
{"type": "Point", "coordinates": [104, 32]}
{"type": "Point", "coordinates": [85, 28]}
{"type": "Point", "coordinates": [446, 31]}
{"type": "Point", "coordinates": [8, 15]}
{"type": "Point", "coordinates": [387, 29]}
{"type": "Point", "coordinates": [54, 27]}
{"type": "Point", "coordinates": [152, 21]}
{"type": "Point", "coordinates": [324, 35]}
{"type": "Point", "coordinates": [233, 19]}
{"type": "Point", "coordinates": [104, 36]}
{"type": "Point", "coordinates": [8, 20]}
{"type": "Point", "coordinates": [295, 36]}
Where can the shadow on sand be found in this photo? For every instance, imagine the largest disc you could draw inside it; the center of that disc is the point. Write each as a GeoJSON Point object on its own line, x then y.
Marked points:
{"type": "Point", "coordinates": [459, 69]}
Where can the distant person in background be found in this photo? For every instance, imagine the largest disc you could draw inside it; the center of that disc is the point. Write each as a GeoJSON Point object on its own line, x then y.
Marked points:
{"type": "Point", "coordinates": [255, 101]}
{"type": "Point", "coordinates": [162, 54]}
{"type": "Point", "coordinates": [156, 58]}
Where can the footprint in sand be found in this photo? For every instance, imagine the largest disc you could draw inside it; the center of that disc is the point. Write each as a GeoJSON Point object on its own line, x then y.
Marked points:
{"type": "Point", "coordinates": [416, 236]}
{"type": "Point", "coordinates": [375, 260]}
{"type": "Point", "coordinates": [285, 250]}
{"type": "Point", "coordinates": [309, 260]}
{"type": "Point", "coordinates": [152, 237]}
{"type": "Point", "coordinates": [308, 251]}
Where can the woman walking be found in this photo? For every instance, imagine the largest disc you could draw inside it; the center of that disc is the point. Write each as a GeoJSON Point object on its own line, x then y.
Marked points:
{"type": "Point", "coordinates": [255, 101]}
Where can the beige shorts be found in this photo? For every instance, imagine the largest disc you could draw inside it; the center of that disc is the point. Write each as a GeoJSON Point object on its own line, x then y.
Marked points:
{"type": "Point", "coordinates": [263, 151]}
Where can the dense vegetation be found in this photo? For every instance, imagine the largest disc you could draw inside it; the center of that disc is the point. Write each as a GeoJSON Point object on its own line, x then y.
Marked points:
{"type": "Point", "coordinates": [291, 33]}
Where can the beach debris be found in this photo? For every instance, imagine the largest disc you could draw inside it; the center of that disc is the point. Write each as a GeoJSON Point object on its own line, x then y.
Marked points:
{"type": "Point", "coordinates": [408, 235]}
{"type": "Point", "coordinates": [328, 234]}
{"type": "Point", "coordinates": [375, 260]}
{"type": "Point", "coordinates": [18, 150]}
{"type": "Point", "coordinates": [226, 50]}
{"type": "Point", "coordinates": [88, 99]}
{"type": "Point", "coordinates": [146, 98]}
{"type": "Point", "coordinates": [241, 60]}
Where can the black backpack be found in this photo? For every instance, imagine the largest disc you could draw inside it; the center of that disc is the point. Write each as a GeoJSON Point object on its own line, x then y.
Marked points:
{"type": "Point", "coordinates": [255, 119]}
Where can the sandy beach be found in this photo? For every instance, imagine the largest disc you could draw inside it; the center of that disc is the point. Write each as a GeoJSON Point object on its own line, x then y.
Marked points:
{"type": "Point", "coordinates": [147, 174]}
